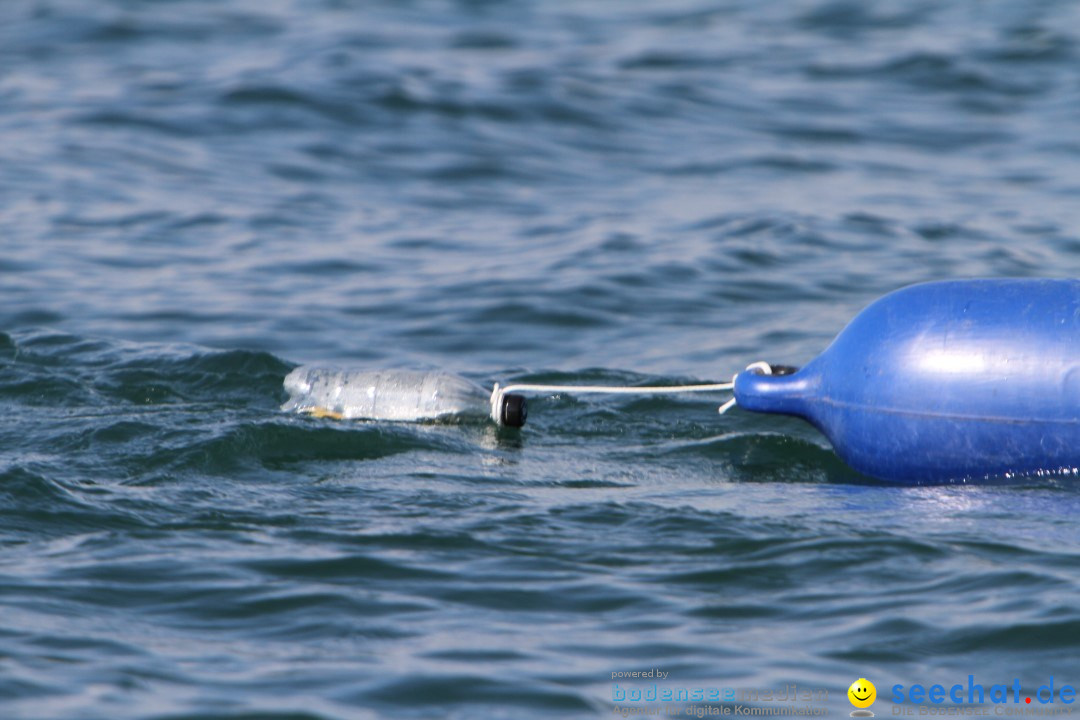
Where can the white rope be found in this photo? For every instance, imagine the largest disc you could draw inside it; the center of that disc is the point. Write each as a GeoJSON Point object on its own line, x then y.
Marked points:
{"type": "Point", "coordinates": [764, 367]}
{"type": "Point", "coordinates": [727, 406]}
{"type": "Point", "coordinates": [618, 389]}
{"type": "Point", "coordinates": [498, 392]}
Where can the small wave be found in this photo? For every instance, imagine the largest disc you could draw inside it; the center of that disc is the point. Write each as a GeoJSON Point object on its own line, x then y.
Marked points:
{"type": "Point", "coordinates": [348, 567]}
{"type": "Point", "coordinates": [475, 691]}
{"type": "Point", "coordinates": [35, 505]}
{"type": "Point", "coordinates": [277, 444]}
{"type": "Point", "coordinates": [935, 72]}
{"type": "Point", "coordinates": [325, 104]}
{"type": "Point", "coordinates": [52, 367]}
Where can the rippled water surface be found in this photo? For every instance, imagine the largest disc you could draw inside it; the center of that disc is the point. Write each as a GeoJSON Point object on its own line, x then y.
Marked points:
{"type": "Point", "coordinates": [197, 196]}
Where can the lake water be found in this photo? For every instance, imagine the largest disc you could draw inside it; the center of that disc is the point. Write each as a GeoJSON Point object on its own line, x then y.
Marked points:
{"type": "Point", "coordinates": [197, 196]}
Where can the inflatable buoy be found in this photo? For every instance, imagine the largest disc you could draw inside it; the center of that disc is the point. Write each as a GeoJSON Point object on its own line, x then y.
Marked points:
{"type": "Point", "coordinates": [945, 381]}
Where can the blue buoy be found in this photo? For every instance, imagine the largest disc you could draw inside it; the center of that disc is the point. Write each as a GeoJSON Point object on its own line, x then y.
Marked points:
{"type": "Point", "coordinates": [945, 381]}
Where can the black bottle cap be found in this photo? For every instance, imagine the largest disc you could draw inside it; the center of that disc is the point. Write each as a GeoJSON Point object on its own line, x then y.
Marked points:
{"type": "Point", "coordinates": [514, 410]}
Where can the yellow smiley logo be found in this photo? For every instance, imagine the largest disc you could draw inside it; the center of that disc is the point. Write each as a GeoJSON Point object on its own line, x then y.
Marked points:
{"type": "Point", "coordinates": [862, 693]}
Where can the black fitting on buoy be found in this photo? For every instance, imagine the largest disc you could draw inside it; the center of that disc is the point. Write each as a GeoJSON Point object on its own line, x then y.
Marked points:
{"type": "Point", "coordinates": [783, 369]}
{"type": "Point", "coordinates": [514, 411]}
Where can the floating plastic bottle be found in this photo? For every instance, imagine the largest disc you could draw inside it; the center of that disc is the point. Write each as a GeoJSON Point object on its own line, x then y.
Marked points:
{"type": "Point", "coordinates": [402, 395]}
{"type": "Point", "coordinates": [945, 381]}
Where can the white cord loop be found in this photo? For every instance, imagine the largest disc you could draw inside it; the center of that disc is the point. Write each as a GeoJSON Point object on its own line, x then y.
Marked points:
{"type": "Point", "coordinates": [764, 367]}
{"type": "Point", "coordinates": [497, 393]}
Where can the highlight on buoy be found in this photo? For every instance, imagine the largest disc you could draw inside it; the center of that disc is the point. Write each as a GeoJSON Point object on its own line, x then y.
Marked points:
{"type": "Point", "coordinates": [942, 381]}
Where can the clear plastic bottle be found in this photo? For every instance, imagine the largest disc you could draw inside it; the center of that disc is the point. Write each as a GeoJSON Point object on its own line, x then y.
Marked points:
{"type": "Point", "coordinates": [402, 395]}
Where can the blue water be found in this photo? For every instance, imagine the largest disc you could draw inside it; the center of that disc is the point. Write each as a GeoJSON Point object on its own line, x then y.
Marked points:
{"type": "Point", "coordinates": [196, 196]}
